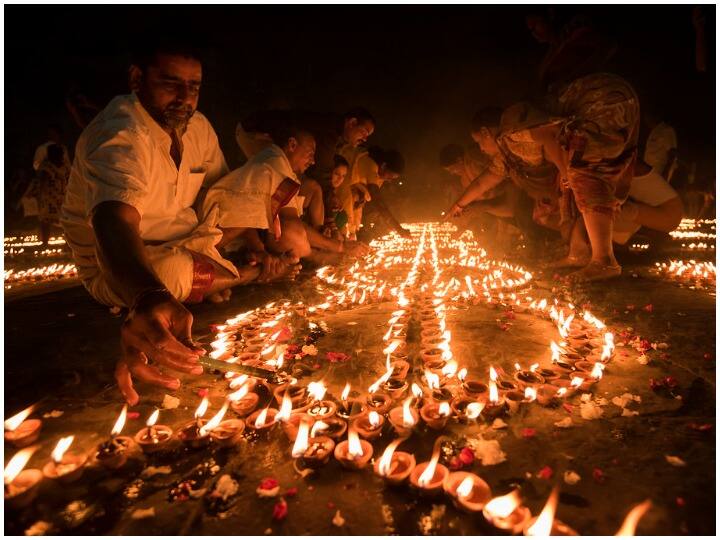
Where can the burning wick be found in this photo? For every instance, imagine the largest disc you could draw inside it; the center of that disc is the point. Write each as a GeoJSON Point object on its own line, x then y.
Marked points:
{"type": "Point", "coordinates": [200, 412]}
{"type": "Point", "coordinates": [634, 516]}
{"type": "Point", "coordinates": [465, 488]}
{"type": "Point", "coordinates": [543, 524]}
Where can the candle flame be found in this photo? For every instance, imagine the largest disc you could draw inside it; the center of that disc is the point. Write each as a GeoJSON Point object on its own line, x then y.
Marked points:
{"type": "Point", "coordinates": [374, 419]}
{"type": "Point", "coordinates": [12, 423]}
{"type": "Point", "coordinates": [561, 392]}
{"type": "Point", "coordinates": [416, 390]}
{"type": "Point", "coordinates": [555, 348]}
{"type": "Point", "coordinates": [517, 366]}
{"type": "Point", "coordinates": [465, 488]}
{"type": "Point", "coordinates": [543, 523]}
{"type": "Point", "coordinates": [462, 374]}
{"type": "Point", "coordinates": [493, 374]}
{"type": "Point", "coordinates": [534, 368]}
{"type": "Point", "coordinates": [473, 410]}
{"type": "Point", "coordinates": [61, 447]}
{"type": "Point", "coordinates": [260, 420]}
{"type": "Point", "coordinates": [493, 395]}
{"type": "Point", "coordinates": [429, 472]}
{"type": "Point", "coordinates": [345, 392]}
{"type": "Point", "coordinates": [634, 516]}
{"type": "Point", "coordinates": [238, 381]}
{"type": "Point", "coordinates": [501, 507]}
{"type": "Point", "coordinates": [238, 394]}
{"type": "Point", "coordinates": [120, 422]}
{"type": "Point", "coordinates": [317, 390]}
{"type": "Point", "coordinates": [597, 371]}
{"type": "Point", "coordinates": [577, 382]}
{"type": "Point", "coordinates": [283, 414]}
{"type": "Point", "coordinates": [376, 385]}
{"type": "Point", "coordinates": [433, 380]}
{"type": "Point", "coordinates": [354, 447]}
{"type": "Point", "coordinates": [386, 459]}
{"type": "Point", "coordinates": [215, 420]}
{"type": "Point", "coordinates": [17, 463]}
{"type": "Point", "coordinates": [530, 393]}
{"type": "Point", "coordinates": [301, 441]}
{"type": "Point", "coordinates": [444, 409]}
{"type": "Point", "coordinates": [202, 408]}
{"type": "Point", "coordinates": [318, 427]}
{"type": "Point", "coordinates": [152, 420]}
{"type": "Point", "coordinates": [392, 347]}
{"type": "Point", "coordinates": [408, 418]}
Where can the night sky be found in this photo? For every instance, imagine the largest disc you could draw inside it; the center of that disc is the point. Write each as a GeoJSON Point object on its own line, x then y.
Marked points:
{"type": "Point", "coordinates": [421, 70]}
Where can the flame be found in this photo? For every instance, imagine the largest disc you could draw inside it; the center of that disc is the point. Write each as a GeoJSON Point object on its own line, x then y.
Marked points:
{"type": "Point", "coordinates": [215, 420]}
{"type": "Point", "coordinates": [465, 488]}
{"type": "Point", "coordinates": [301, 441]}
{"type": "Point", "coordinates": [153, 418]}
{"type": "Point", "coordinates": [345, 392]}
{"type": "Point", "coordinates": [238, 394]}
{"type": "Point", "coordinates": [597, 371]}
{"type": "Point", "coordinates": [561, 392]}
{"type": "Point", "coordinates": [501, 507]}
{"type": "Point", "coordinates": [12, 423]}
{"type": "Point", "coordinates": [408, 418]}
{"type": "Point", "coordinates": [238, 381]}
{"type": "Point", "coordinates": [444, 409]}
{"type": "Point", "coordinates": [392, 347]}
{"type": "Point", "coordinates": [473, 410]}
{"type": "Point", "coordinates": [632, 519]}
{"type": "Point", "coordinates": [429, 472]}
{"type": "Point", "coordinates": [374, 419]}
{"type": "Point", "coordinates": [376, 385]}
{"type": "Point", "coordinates": [120, 423]}
{"type": "Point", "coordinates": [543, 523]}
{"type": "Point", "coordinates": [354, 447]}
{"type": "Point", "coordinates": [260, 420]}
{"type": "Point", "coordinates": [555, 348]}
{"type": "Point", "coordinates": [416, 390]}
{"type": "Point", "coordinates": [462, 374]}
{"type": "Point", "coordinates": [433, 380]}
{"type": "Point", "coordinates": [517, 367]}
{"type": "Point", "coordinates": [386, 459]}
{"type": "Point", "coordinates": [17, 463]}
{"type": "Point", "coordinates": [318, 427]}
{"type": "Point", "coordinates": [202, 408]}
{"type": "Point", "coordinates": [534, 367]}
{"type": "Point", "coordinates": [576, 382]}
{"type": "Point", "coordinates": [283, 414]}
{"type": "Point", "coordinates": [317, 390]}
{"type": "Point", "coordinates": [61, 447]}
{"type": "Point", "coordinates": [530, 393]}
{"type": "Point", "coordinates": [493, 395]}
{"type": "Point", "coordinates": [493, 374]}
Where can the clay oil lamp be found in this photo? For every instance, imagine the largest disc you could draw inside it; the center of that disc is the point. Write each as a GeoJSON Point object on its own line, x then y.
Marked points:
{"type": "Point", "coordinates": [292, 425]}
{"type": "Point", "coordinates": [113, 453]}
{"type": "Point", "coordinates": [242, 401]}
{"type": "Point", "coordinates": [65, 466]}
{"type": "Point", "coordinates": [475, 389]}
{"type": "Point", "coordinates": [21, 484]}
{"type": "Point", "coordinates": [563, 364]}
{"type": "Point", "coordinates": [395, 388]}
{"type": "Point", "coordinates": [513, 400]}
{"type": "Point", "coordinates": [398, 344]}
{"type": "Point", "coordinates": [428, 477]}
{"type": "Point", "coordinates": [379, 401]}
{"type": "Point", "coordinates": [350, 408]}
{"type": "Point", "coordinates": [474, 409]}
{"type": "Point", "coordinates": [223, 433]}
{"type": "Point", "coordinates": [153, 437]}
{"type": "Point", "coordinates": [548, 374]}
{"type": "Point", "coordinates": [262, 420]}
{"type": "Point", "coordinates": [21, 432]}
{"type": "Point", "coordinates": [633, 518]}
{"type": "Point", "coordinates": [298, 396]}
{"type": "Point", "coordinates": [404, 419]}
{"type": "Point", "coordinates": [431, 355]}
{"type": "Point", "coordinates": [544, 524]}
{"type": "Point", "coordinates": [249, 358]}
{"type": "Point", "coordinates": [547, 394]}
{"type": "Point", "coordinates": [250, 331]}
{"type": "Point", "coordinates": [353, 453]}
{"type": "Point", "coordinates": [527, 378]}
{"type": "Point", "coordinates": [190, 432]}
{"type": "Point", "coordinates": [417, 395]}
{"type": "Point", "coordinates": [400, 367]}
{"type": "Point", "coordinates": [566, 388]}
{"type": "Point", "coordinates": [394, 466]}
{"type": "Point", "coordinates": [495, 405]}
{"type": "Point", "coordinates": [459, 407]}
{"type": "Point", "coordinates": [369, 426]}
{"type": "Point", "coordinates": [468, 491]}
{"type": "Point", "coordinates": [506, 513]}
{"type": "Point", "coordinates": [334, 428]}
{"type": "Point", "coordinates": [436, 414]}
{"type": "Point", "coordinates": [319, 409]}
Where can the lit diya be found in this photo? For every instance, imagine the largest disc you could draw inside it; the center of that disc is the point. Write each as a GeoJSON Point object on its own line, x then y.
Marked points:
{"type": "Point", "coordinates": [21, 432]}
{"type": "Point", "coordinates": [242, 401]}
{"type": "Point", "coordinates": [544, 524]}
{"type": "Point", "coordinates": [527, 378]}
{"type": "Point", "coordinates": [262, 420]}
{"type": "Point", "coordinates": [506, 513]}
{"type": "Point", "coordinates": [396, 388]}
{"type": "Point", "coordinates": [65, 466]}
{"type": "Point", "coordinates": [428, 477]}
{"type": "Point", "coordinates": [495, 405]}
{"type": "Point", "coordinates": [547, 394]}
{"type": "Point", "coordinates": [353, 453]}
{"type": "Point", "coordinates": [404, 418]}
{"type": "Point", "coordinates": [394, 467]}
{"type": "Point", "coordinates": [223, 432]}
{"type": "Point", "coordinates": [319, 408]}
{"type": "Point", "coordinates": [153, 437]}
{"type": "Point", "coordinates": [112, 454]}
{"type": "Point", "coordinates": [190, 433]}
{"type": "Point", "coordinates": [435, 414]}
{"type": "Point", "coordinates": [21, 484]}
{"type": "Point", "coordinates": [380, 402]}
{"type": "Point", "coordinates": [334, 428]}
{"type": "Point", "coordinates": [468, 491]}
{"type": "Point", "coordinates": [369, 425]}
{"type": "Point", "coordinates": [431, 355]}
{"type": "Point", "coordinates": [298, 395]}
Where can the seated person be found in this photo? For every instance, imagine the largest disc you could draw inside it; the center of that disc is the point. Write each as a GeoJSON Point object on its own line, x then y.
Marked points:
{"type": "Point", "coordinates": [259, 205]}
{"type": "Point", "coordinates": [335, 217]}
{"type": "Point", "coordinates": [128, 213]}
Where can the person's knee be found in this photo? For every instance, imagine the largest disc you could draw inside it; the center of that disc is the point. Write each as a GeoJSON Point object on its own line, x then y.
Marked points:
{"type": "Point", "coordinates": [294, 237]}
{"type": "Point", "coordinates": [673, 210]}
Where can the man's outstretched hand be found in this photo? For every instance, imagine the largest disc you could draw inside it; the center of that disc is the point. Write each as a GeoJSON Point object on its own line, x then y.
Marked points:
{"type": "Point", "coordinates": [157, 329]}
{"type": "Point", "coordinates": [355, 248]}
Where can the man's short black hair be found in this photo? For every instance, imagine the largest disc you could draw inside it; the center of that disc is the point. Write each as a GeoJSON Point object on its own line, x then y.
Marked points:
{"type": "Point", "coordinates": [361, 114]}
{"type": "Point", "coordinates": [282, 133]}
{"type": "Point", "coordinates": [450, 154]}
{"type": "Point", "coordinates": [146, 49]}
{"type": "Point", "coordinates": [487, 117]}
{"type": "Point", "coordinates": [339, 161]}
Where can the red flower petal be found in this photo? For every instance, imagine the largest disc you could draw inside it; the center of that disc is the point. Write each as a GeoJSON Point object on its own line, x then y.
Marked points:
{"type": "Point", "coordinates": [568, 407]}
{"type": "Point", "coordinates": [598, 475]}
{"type": "Point", "coordinates": [268, 483]}
{"type": "Point", "coordinates": [545, 473]}
{"type": "Point", "coordinates": [280, 510]}
{"type": "Point", "coordinates": [466, 456]}
{"type": "Point", "coordinates": [291, 492]}
{"type": "Point", "coordinates": [455, 464]}
{"type": "Point", "coordinates": [335, 357]}
{"type": "Point", "coordinates": [203, 392]}
{"type": "Point", "coordinates": [331, 505]}
{"type": "Point", "coordinates": [528, 433]}
{"type": "Point", "coordinates": [133, 415]}
{"type": "Point", "coordinates": [680, 501]}
{"type": "Point", "coordinates": [648, 308]}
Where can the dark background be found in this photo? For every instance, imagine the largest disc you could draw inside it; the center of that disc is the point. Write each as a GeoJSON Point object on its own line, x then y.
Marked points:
{"type": "Point", "coordinates": [421, 70]}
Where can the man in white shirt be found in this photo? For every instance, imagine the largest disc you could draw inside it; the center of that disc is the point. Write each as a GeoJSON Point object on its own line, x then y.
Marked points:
{"type": "Point", "coordinates": [128, 215]}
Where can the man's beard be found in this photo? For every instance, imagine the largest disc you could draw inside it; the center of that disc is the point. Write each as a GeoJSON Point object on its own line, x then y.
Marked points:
{"type": "Point", "coordinates": [172, 118]}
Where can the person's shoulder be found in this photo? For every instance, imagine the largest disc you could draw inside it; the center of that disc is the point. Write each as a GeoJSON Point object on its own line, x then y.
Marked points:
{"type": "Point", "coordinates": [120, 118]}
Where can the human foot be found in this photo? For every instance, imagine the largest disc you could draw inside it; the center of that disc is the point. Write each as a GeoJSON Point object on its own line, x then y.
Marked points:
{"type": "Point", "coordinates": [596, 271]}
{"type": "Point", "coordinates": [570, 261]}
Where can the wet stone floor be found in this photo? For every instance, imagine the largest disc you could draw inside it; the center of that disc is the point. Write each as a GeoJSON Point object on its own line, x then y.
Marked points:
{"type": "Point", "coordinates": [60, 349]}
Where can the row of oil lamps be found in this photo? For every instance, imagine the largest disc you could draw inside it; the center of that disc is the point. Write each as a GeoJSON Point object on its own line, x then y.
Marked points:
{"type": "Point", "coordinates": [689, 272]}
{"type": "Point", "coordinates": [42, 273]}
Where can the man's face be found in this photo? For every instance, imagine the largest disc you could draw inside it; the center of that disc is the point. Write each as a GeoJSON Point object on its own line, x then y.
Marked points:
{"type": "Point", "coordinates": [300, 152]}
{"type": "Point", "coordinates": [357, 133]}
{"type": "Point", "coordinates": [169, 89]}
{"type": "Point", "coordinates": [485, 140]}
{"type": "Point", "coordinates": [456, 169]}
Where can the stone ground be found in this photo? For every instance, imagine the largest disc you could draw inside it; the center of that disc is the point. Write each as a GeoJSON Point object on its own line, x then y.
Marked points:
{"type": "Point", "coordinates": [60, 348]}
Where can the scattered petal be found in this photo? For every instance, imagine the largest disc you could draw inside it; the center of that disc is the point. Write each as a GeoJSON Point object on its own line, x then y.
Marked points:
{"type": "Point", "coordinates": [571, 477]}
{"type": "Point", "coordinates": [336, 357]}
{"type": "Point", "coordinates": [675, 461]}
{"type": "Point", "coordinates": [648, 308]}
{"type": "Point", "coordinates": [487, 452]}
{"type": "Point", "coordinates": [598, 475]}
{"type": "Point", "coordinates": [498, 424]}
{"type": "Point", "coordinates": [39, 528]}
{"type": "Point", "coordinates": [280, 510]}
{"type": "Point", "coordinates": [466, 456]}
{"type": "Point", "coordinates": [133, 415]}
{"type": "Point", "coordinates": [591, 411]}
{"type": "Point", "coordinates": [291, 492]}
{"type": "Point", "coordinates": [170, 402]}
{"type": "Point", "coordinates": [545, 473]}
{"type": "Point", "coordinates": [680, 501]}
{"type": "Point", "coordinates": [142, 513]}
{"type": "Point", "coordinates": [564, 423]}
{"type": "Point", "coordinates": [528, 433]}
{"type": "Point", "coordinates": [310, 350]}
{"type": "Point", "coordinates": [568, 407]}
{"type": "Point", "coordinates": [203, 392]}
{"type": "Point", "coordinates": [338, 520]}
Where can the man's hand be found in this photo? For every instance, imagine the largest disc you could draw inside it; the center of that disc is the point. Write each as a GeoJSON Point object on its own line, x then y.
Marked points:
{"type": "Point", "coordinates": [454, 211]}
{"type": "Point", "coordinates": [405, 233]}
{"type": "Point", "coordinates": [355, 248]}
{"type": "Point", "coordinates": [158, 328]}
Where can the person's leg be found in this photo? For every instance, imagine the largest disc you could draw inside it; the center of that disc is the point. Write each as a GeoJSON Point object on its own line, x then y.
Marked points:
{"type": "Point", "coordinates": [579, 253]}
{"type": "Point", "coordinates": [45, 227]}
{"type": "Point", "coordinates": [603, 264]}
{"type": "Point", "coordinates": [293, 240]}
{"type": "Point", "coordinates": [313, 206]}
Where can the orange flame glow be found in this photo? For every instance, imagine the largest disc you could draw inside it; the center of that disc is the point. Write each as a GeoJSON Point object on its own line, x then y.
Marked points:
{"type": "Point", "coordinates": [501, 507]}
{"type": "Point", "coordinates": [61, 447]}
{"type": "Point", "coordinates": [17, 463]}
{"type": "Point", "coordinates": [301, 441]}
{"type": "Point", "coordinates": [215, 420]}
{"type": "Point", "coordinates": [386, 459]}
{"type": "Point", "coordinates": [12, 423]}
{"type": "Point", "coordinates": [465, 488]}
{"type": "Point", "coordinates": [634, 516]}
{"type": "Point", "coordinates": [283, 414]}
{"type": "Point", "coordinates": [120, 422]}
{"type": "Point", "coordinates": [543, 523]}
{"type": "Point", "coordinates": [260, 420]}
{"type": "Point", "coordinates": [354, 447]}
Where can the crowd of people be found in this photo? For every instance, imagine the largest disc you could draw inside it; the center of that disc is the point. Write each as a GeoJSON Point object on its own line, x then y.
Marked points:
{"type": "Point", "coordinates": [155, 219]}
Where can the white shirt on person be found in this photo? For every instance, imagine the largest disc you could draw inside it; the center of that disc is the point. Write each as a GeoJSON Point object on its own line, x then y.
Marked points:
{"type": "Point", "coordinates": [661, 140]}
{"type": "Point", "coordinates": [124, 155]}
